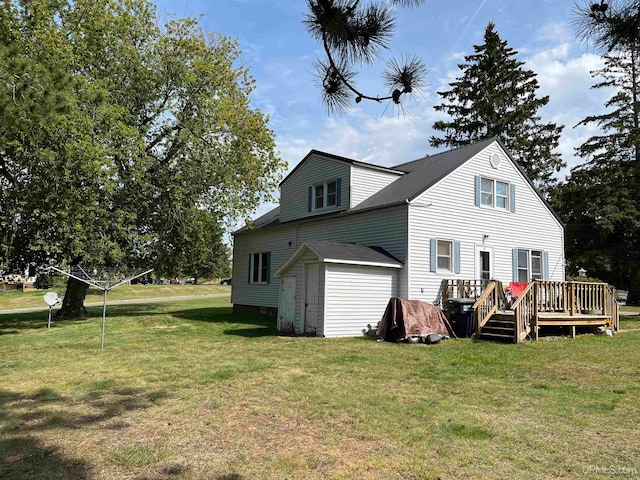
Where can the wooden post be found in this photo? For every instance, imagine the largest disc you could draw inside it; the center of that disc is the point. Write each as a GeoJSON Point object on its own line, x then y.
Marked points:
{"type": "Point", "coordinates": [535, 311]}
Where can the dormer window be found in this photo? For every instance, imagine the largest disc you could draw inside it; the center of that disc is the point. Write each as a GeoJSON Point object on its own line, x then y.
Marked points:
{"type": "Point", "coordinates": [325, 195]}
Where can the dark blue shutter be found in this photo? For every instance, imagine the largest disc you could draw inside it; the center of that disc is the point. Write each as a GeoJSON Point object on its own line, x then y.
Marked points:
{"type": "Point", "coordinates": [545, 273]}
{"type": "Point", "coordinates": [514, 256]}
{"type": "Point", "coordinates": [268, 267]}
{"type": "Point", "coordinates": [456, 256]}
{"type": "Point", "coordinates": [512, 196]}
{"type": "Point", "coordinates": [310, 199]}
{"type": "Point", "coordinates": [338, 192]}
{"type": "Point", "coordinates": [433, 255]}
{"type": "Point", "coordinates": [477, 190]}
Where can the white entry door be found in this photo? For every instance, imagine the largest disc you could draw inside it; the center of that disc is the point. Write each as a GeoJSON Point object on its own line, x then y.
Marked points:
{"type": "Point", "coordinates": [311, 299]}
{"type": "Point", "coordinates": [287, 310]}
{"type": "Point", "coordinates": [484, 259]}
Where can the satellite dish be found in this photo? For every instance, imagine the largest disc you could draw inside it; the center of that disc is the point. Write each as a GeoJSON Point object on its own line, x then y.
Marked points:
{"type": "Point", "coordinates": [51, 299]}
{"type": "Point", "coordinates": [495, 160]}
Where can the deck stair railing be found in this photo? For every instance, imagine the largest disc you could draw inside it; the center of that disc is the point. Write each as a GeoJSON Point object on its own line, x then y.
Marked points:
{"type": "Point", "coordinates": [486, 305]}
{"type": "Point", "coordinates": [542, 303]}
{"type": "Point", "coordinates": [525, 313]}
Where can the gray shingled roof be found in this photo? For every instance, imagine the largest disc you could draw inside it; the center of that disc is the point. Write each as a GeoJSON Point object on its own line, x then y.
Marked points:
{"type": "Point", "coordinates": [421, 175]}
{"type": "Point", "coordinates": [272, 217]}
{"type": "Point", "coordinates": [351, 252]}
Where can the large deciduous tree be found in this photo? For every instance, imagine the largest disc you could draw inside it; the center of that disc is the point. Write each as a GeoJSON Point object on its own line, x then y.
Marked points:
{"type": "Point", "coordinates": [496, 96]}
{"type": "Point", "coordinates": [600, 201]}
{"type": "Point", "coordinates": [123, 141]}
{"type": "Point", "coordinates": [355, 33]}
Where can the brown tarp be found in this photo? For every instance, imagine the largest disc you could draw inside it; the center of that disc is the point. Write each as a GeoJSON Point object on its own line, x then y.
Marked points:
{"type": "Point", "coordinates": [406, 318]}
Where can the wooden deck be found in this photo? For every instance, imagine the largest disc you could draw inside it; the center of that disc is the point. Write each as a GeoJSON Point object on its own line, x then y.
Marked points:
{"type": "Point", "coordinates": [563, 318]}
{"type": "Point", "coordinates": [542, 304]}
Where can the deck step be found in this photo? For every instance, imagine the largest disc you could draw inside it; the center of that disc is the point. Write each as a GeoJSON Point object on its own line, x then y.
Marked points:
{"type": "Point", "coordinates": [500, 327]}
{"type": "Point", "coordinates": [496, 336]}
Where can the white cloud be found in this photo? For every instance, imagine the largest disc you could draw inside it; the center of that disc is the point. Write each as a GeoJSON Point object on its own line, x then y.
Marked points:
{"type": "Point", "coordinates": [567, 80]}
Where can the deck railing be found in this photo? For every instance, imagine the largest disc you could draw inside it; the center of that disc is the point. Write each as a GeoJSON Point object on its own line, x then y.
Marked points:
{"type": "Point", "coordinates": [486, 305]}
{"type": "Point", "coordinates": [574, 298]}
{"type": "Point", "coordinates": [525, 313]}
{"type": "Point", "coordinates": [464, 288]}
{"type": "Point", "coordinates": [612, 307]}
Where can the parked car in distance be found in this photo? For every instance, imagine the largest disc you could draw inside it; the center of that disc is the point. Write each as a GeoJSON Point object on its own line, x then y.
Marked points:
{"type": "Point", "coordinates": [225, 281]}
{"type": "Point", "coordinates": [189, 280]}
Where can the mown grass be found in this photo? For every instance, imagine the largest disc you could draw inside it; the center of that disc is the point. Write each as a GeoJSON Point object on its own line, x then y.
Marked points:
{"type": "Point", "coordinates": [188, 390]}
{"type": "Point", "coordinates": [13, 299]}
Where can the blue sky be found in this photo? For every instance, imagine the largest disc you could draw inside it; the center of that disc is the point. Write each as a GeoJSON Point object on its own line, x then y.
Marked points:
{"type": "Point", "coordinates": [280, 53]}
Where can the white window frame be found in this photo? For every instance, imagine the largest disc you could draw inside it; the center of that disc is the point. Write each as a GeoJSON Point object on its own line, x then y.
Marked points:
{"type": "Point", "coordinates": [325, 195]}
{"type": "Point", "coordinates": [262, 257]}
{"type": "Point", "coordinates": [529, 267]}
{"type": "Point", "coordinates": [451, 268]}
{"type": "Point", "coordinates": [494, 194]}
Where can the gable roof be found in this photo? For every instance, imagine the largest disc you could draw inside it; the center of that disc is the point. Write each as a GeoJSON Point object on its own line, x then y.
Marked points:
{"type": "Point", "coordinates": [416, 177]}
{"type": "Point", "coordinates": [422, 174]}
{"type": "Point", "coordinates": [338, 158]}
{"type": "Point", "coordinates": [345, 253]}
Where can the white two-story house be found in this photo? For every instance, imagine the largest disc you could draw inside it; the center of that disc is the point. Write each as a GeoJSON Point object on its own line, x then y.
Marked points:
{"type": "Point", "coordinates": [349, 235]}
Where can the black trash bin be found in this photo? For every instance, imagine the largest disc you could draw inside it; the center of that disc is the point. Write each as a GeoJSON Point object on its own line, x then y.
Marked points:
{"type": "Point", "coordinates": [460, 313]}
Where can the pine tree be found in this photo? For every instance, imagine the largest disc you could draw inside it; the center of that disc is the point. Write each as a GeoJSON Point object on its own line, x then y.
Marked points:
{"type": "Point", "coordinates": [612, 26]}
{"type": "Point", "coordinates": [496, 96]}
{"type": "Point", "coordinates": [353, 32]}
{"type": "Point", "coordinates": [600, 202]}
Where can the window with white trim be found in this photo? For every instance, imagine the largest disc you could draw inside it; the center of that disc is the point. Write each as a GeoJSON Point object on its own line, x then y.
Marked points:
{"type": "Point", "coordinates": [530, 265]}
{"type": "Point", "coordinates": [259, 265]}
{"type": "Point", "coordinates": [494, 194]}
{"type": "Point", "coordinates": [325, 195]}
{"type": "Point", "coordinates": [445, 255]}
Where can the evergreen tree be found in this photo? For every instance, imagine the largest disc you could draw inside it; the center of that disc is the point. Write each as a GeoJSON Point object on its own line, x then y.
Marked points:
{"type": "Point", "coordinates": [612, 26]}
{"type": "Point", "coordinates": [496, 96]}
{"type": "Point", "coordinates": [600, 201]}
{"type": "Point", "coordinates": [355, 32]}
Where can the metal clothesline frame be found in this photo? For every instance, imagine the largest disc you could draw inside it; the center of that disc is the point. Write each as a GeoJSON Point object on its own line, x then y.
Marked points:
{"type": "Point", "coordinates": [105, 287]}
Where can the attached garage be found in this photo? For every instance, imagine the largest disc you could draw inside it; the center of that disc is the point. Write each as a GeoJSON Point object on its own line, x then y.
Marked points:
{"type": "Point", "coordinates": [335, 289]}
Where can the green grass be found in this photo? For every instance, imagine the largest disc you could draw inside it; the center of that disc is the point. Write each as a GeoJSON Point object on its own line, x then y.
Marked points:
{"type": "Point", "coordinates": [187, 390]}
{"type": "Point", "coordinates": [13, 299]}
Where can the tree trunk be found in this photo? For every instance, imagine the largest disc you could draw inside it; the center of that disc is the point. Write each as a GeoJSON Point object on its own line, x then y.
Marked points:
{"type": "Point", "coordinates": [73, 302]}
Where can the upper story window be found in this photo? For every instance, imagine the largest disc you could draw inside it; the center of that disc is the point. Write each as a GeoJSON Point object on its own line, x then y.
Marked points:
{"type": "Point", "coordinates": [495, 194]}
{"type": "Point", "coordinates": [324, 195]}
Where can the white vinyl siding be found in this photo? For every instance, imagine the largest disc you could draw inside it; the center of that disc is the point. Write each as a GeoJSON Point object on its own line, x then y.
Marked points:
{"type": "Point", "coordinates": [366, 181]}
{"type": "Point", "coordinates": [447, 211]}
{"type": "Point", "coordinates": [386, 228]}
{"type": "Point", "coordinates": [356, 296]}
{"type": "Point", "coordinates": [294, 193]}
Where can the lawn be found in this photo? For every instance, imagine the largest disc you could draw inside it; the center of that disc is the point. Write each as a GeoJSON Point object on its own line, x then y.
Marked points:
{"type": "Point", "coordinates": [187, 390]}
{"type": "Point", "coordinates": [34, 298]}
